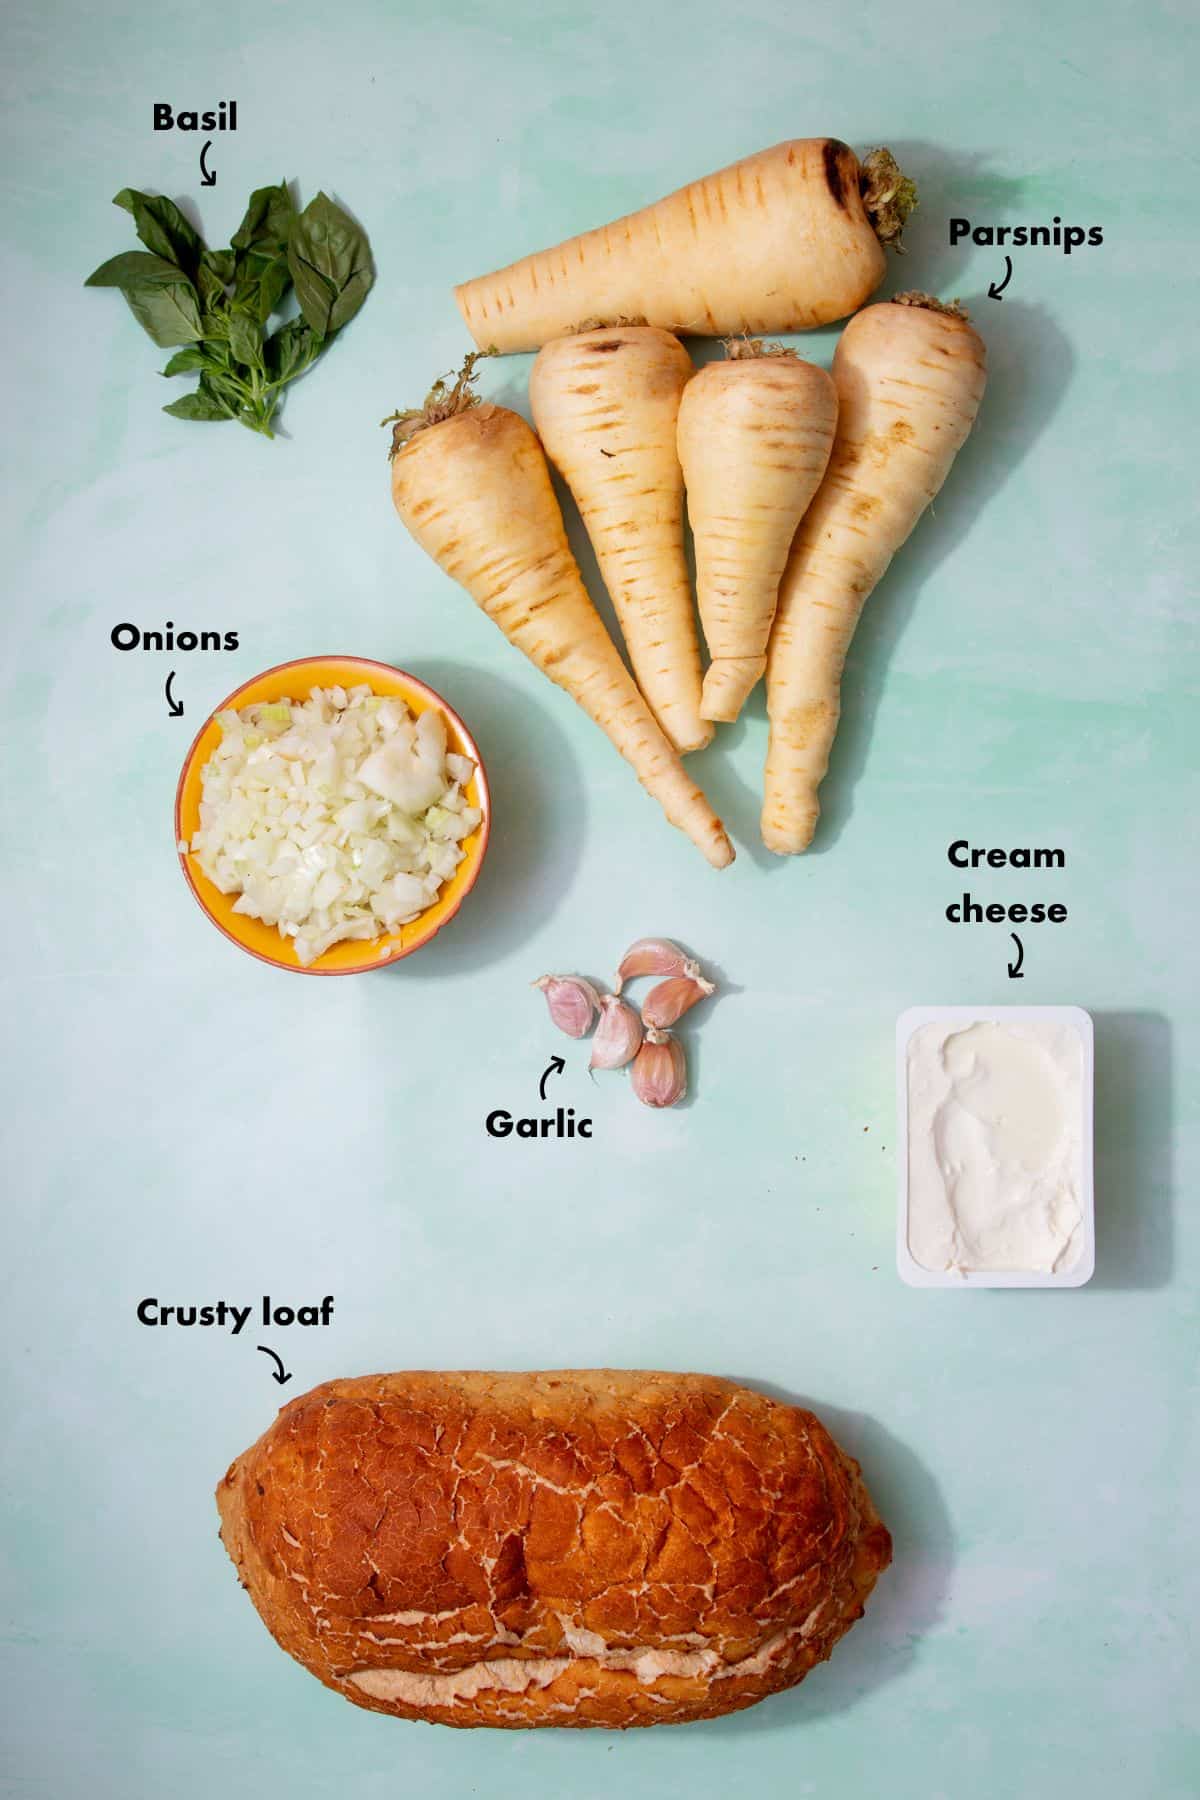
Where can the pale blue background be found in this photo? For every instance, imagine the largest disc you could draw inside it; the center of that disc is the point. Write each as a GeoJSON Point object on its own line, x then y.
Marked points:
{"type": "Point", "coordinates": [186, 1123]}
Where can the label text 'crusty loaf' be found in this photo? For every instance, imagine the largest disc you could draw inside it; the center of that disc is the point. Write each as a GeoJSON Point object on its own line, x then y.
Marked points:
{"type": "Point", "coordinates": [227, 1316]}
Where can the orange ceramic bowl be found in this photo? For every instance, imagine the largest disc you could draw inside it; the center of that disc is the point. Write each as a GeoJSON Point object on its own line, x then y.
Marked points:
{"type": "Point", "coordinates": [293, 681]}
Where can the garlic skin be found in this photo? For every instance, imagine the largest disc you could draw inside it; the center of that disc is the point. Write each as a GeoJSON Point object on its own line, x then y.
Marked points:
{"type": "Point", "coordinates": [654, 956]}
{"type": "Point", "coordinates": [618, 1035]}
{"type": "Point", "coordinates": [672, 998]}
{"type": "Point", "coordinates": [573, 1002]}
{"type": "Point", "coordinates": [659, 1073]}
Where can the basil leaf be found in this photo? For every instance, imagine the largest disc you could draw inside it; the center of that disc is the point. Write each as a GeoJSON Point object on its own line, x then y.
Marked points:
{"type": "Point", "coordinates": [160, 296]}
{"type": "Point", "coordinates": [276, 280]}
{"type": "Point", "coordinates": [261, 284]}
{"type": "Point", "coordinates": [163, 228]}
{"type": "Point", "coordinates": [134, 269]}
{"type": "Point", "coordinates": [187, 362]}
{"type": "Point", "coordinates": [212, 289]}
{"type": "Point", "coordinates": [351, 298]}
{"type": "Point", "coordinates": [268, 216]}
{"type": "Point", "coordinates": [290, 350]}
{"type": "Point", "coordinates": [220, 263]}
{"type": "Point", "coordinates": [245, 340]}
{"type": "Point", "coordinates": [199, 405]}
{"type": "Point", "coordinates": [330, 261]}
{"type": "Point", "coordinates": [246, 279]}
{"type": "Point", "coordinates": [315, 293]}
{"type": "Point", "coordinates": [170, 314]}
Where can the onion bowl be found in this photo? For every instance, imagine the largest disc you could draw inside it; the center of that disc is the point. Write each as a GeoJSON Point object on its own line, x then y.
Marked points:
{"type": "Point", "coordinates": [294, 681]}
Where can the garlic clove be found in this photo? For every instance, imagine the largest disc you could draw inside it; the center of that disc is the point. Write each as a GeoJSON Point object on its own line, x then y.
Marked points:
{"type": "Point", "coordinates": [659, 1074]}
{"type": "Point", "coordinates": [618, 1035]}
{"type": "Point", "coordinates": [672, 998]}
{"type": "Point", "coordinates": [573, 1002]}
{"type": "Point", "coordinates": [653, 956]}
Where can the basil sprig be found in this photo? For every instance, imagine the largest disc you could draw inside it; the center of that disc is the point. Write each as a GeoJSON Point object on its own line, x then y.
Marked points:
{"type": "Point", "coordinates": [218, 305]}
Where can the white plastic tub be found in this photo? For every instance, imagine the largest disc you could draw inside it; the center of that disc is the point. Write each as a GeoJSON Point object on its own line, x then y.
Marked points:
{"type": "Point", "coordinates": [1082, 1269]}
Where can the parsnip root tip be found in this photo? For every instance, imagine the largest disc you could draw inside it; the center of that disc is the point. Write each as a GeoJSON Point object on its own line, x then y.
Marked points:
{"type": "Point", "coordinates": [794, 838]}
{"type": "Point", "coordinates": [728, 683]}
{"type": "Point", "coordinates": [888, 196]}
{"type": "Point", "coordinates": [722, 852]}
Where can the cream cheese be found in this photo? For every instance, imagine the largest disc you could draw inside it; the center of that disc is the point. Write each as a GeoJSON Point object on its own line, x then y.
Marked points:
{"type": "Point", "coordinates": [995, 1145]}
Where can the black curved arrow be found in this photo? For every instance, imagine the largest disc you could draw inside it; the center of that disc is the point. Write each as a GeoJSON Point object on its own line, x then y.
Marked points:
{"type": "Point", "coordinates": [1014, 968]}
{"type": "Point", "coordinates": [176, 706]}
{"type": "Point", "coordinates": [556, 1067]}
{"type": "Point", "coordinates": [280, 1374]}
{"type": "Point", "coordinates": [994, 292]}
{"type": "Point", "coordinates": [208, 177]}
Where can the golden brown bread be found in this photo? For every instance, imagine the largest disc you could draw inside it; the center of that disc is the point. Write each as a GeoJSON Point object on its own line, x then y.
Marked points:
{"type": "Point", "coordinates": [575, 1547]}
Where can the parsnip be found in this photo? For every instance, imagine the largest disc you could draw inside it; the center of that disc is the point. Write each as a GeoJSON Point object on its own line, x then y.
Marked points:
{"type": "Point", "coordinates": [910, 375]}
{"type": "Point", "coordinates": [755, 434]}
{"type": "Point", "coordinates": [605, 404]}
{"type": "Point", "coordinates": [471, 484]}
{"type": "Point", "coordinates": [783, 241]}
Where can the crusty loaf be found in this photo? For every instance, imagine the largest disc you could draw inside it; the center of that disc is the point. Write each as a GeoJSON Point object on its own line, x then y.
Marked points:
{"type": "Point", "coordinates": [576, 1547]}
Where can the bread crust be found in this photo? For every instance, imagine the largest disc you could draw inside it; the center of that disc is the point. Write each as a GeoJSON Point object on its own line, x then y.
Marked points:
{"type": "Point", "coordinates": [572, 1547]}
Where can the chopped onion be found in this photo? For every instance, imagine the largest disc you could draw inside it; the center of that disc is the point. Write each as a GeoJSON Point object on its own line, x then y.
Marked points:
{"type": "Point", "coordinates": [333, 818]}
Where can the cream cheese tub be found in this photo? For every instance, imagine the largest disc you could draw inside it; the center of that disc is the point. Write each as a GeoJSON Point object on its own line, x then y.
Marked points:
{"type": "Point", "coordinates": [994, 1110]}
